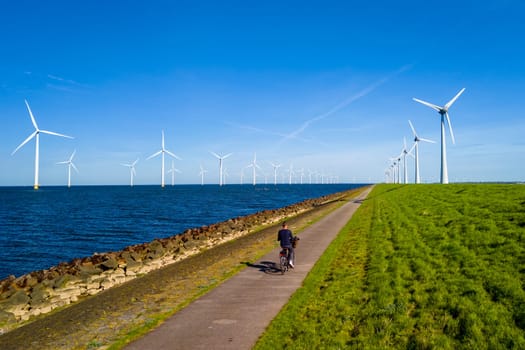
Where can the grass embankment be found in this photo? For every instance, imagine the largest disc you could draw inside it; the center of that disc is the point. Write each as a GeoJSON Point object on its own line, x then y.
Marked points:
{"type": "Point", "coordinates": [417, 267]}
{"type": "Point", "coordinates": [113, 318]}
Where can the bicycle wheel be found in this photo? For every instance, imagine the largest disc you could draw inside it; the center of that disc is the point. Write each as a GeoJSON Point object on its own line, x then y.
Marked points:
{"type": "Point", "coordinates": [283, 264]}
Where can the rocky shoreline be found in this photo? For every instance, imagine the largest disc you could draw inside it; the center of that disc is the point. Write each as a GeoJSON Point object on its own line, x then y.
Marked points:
{"type": "Point", "coordinates": [40, 292]}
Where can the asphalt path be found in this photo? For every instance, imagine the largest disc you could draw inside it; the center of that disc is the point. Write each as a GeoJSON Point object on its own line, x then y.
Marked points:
{"type": "Point", "coordinates": [236, 313]}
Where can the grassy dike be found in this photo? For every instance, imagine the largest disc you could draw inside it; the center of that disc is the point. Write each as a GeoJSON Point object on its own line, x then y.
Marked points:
{"type": "Point", "coordinates": [417, 267]}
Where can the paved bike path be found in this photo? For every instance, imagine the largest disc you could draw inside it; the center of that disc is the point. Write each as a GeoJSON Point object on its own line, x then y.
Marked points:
{"type": "Point", "coordinates": [236, 313]}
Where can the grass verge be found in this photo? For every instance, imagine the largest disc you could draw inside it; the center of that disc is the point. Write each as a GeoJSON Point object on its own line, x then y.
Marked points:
{"type": "Point", "coordinates": [417, 267]}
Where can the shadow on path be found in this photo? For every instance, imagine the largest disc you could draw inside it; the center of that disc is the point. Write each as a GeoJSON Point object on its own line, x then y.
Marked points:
{"type": "Point", "coordinates": [269, 267]}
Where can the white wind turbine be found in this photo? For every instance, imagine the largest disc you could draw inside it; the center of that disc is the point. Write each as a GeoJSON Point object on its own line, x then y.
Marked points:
{"type": "Point", "coordinates": [161, 152]}
{"type": "Point", "coordinates": [443, 111]}
{"type": "Point", "coordinates": [70, 165]}
{"type": "Point", "coordinates": [173, 170]}
{"type": "Point", "coordinates": [132, 171]}
{"type": "Point", "coordinates": [36, 135]}
{"type": "Point", "coordinates": [290, 174]}
{"type": "Point", "coordinates": [301, 173]}
{"type": "Point", "coordinates": [221, 158]}
{"type": "Point", "coordinates": [415, 147]}
{"type": "Point", "coordinates": [201, 173]}
{"type": "Point", "coordinates": [254, 165]}
{"type": "Point", "coordinates": [404, 153]}
{"type": "Point", "coordinates": [275, 167]}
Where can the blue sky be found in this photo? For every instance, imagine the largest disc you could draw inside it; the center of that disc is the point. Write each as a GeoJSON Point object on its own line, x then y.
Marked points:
{"type": "Point", "coordinates": [324, 85]}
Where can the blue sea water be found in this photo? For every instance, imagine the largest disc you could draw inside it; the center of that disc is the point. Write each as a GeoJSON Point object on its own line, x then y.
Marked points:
{"type": "Point", "coordinates": [39, 229]}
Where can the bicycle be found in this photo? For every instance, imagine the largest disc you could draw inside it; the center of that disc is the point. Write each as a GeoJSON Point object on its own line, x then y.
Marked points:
{"type": "Point", "coordinates": [284, 257]}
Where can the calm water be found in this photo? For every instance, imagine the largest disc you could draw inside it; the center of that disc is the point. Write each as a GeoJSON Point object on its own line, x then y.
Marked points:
{"type": "Point", "coordinates": [39, 229]}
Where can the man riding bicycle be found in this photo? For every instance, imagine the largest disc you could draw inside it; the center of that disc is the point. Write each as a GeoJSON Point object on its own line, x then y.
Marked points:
{"type": "Point", "coordinates": [285, 237]}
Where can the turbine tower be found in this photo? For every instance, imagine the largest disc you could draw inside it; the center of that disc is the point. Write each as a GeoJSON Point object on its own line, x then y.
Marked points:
{"type": "Point", "coordinates": [70, 165]}
{"type": "Point", "coordinates": [443, 111]}
{"type": "Point", "coordinates": [275, 167]}
{"type": "Point", "coordinates": [254, 165]}
{"type": "Point", "coordinates": [161, 152]}
{"type": "Point", "coordinates": [221, 158]}
{"type": "Point", "coordinates": [132, 171]}
{"type": "Point", "coordinates": [36, 135]}
{"type": "Point", "coordinates": [415, 147]}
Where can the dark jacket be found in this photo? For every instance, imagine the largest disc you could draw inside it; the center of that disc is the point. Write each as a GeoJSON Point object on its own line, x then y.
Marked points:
{"type": "Point", "coordinates": [285, 237]}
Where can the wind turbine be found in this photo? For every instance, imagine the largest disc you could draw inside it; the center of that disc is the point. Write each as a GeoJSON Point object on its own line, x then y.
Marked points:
{"type": "Point", "coordinates": [404, 153]}
{"type": "Point", "coordinates": [290, 174]}
{"type": "Point", "coordinates": [253, 166]}
{"type": "Point", "coordinates": [173, 171]}
{"type": "Point", "coordinates": [132, 171]}
{"type": "Point", "coordinates": [443, 111]}
{"type": "Point", "coordinates": [301, 173]}
{"type": "Point", "coordinates": [415, 147]}
{"type": "Point", "coordinates": [70, 165]}
{"type": "Point", "coordinates": [201, 173]}
{"type": "Point", "coordinates": [161, 152]}
{"type": "Point", "coordinates": [36, 135]}
{"type": "Point", "coordinates": [221, 158]}
{"type": "Point", "coordinates": [275, 167]}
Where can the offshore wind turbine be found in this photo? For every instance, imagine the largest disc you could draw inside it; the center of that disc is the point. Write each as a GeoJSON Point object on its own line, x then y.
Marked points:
{"type": "Point", "coordinates": [161, 152]}
{"type": "Point", "coordinates": [290, 174]}
{"type": "Point", "coordinates": [275, 167]}
{"type": "Point", "coordinates": [443, 111]}
{"type": "Point", "coordinates": [254, 165]}
{"type": "Point", "coordinates": [132, 171]}
{"type": "Point", "coordinates": [415, 147]}
{"type": "Point", "coordinates": [70, 165]}
{"type": "Point", "coordinates": [201, 173]}
{"type": "Point", "coordinates": [36, 135]}
{"type": "Point", "coordinates": [173, 170]}
{"type": "Point", "coordinates": [221, 158]}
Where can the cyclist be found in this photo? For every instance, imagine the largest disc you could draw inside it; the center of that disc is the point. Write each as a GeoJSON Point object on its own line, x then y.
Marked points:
{"type": "Point", "coordinates": [285, 237]}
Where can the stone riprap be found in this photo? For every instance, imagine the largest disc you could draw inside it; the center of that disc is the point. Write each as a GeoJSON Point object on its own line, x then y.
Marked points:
{"type": "Point", "coordinates": [40, 292]}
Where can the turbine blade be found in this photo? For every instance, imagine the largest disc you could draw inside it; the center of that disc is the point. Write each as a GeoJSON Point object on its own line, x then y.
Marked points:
{"type": "Point", "coordinates": [412, 148]}
{"type": "Point", "coordinates": [226, 156]}
{"type": "Point", "coordinates": [215, 154]}
{"type": "Point", "coordinates": [74, 167]}
{"type": "Point", "coordinates": [72, 155]}
{"type": "Point", "coordinates": [55, 133]}
{"type": "Point", "coordinates": [428, 104]}
{"type": "Point", "coordinates": [162, 139]}
{"type": "Point", "coordinates": [447, 106]}
{"type": "Point", "coordinates": [31, 115]}
{"type": "Point", "coordinates": [450, 128]}
{"type": "Point", "coordinates": [154, 154]}
{"type": "Point", "coordinates": [123, 164]}
{"type": "Point", "coordinates": [173, 155]}
{"type": "Point", "coordinates": [135, 162]}
{"type": "Point", "coordinates": [133, 171]}
{"type": "Point", "coordinates": [412, 127]}
{"type": "Point", "coordinates": [427, 140]}
{"type": "Point", "coordinates": [64, 162]}
{"type": "Point", "coordinates": [25, 141]}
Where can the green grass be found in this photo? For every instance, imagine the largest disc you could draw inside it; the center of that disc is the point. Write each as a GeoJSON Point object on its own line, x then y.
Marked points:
{"type": "Point", "coordinates": [417, 267]}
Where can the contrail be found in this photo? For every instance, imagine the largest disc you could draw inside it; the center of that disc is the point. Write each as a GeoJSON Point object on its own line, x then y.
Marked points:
{"type": "Point", "coordinates": [345, 103]}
